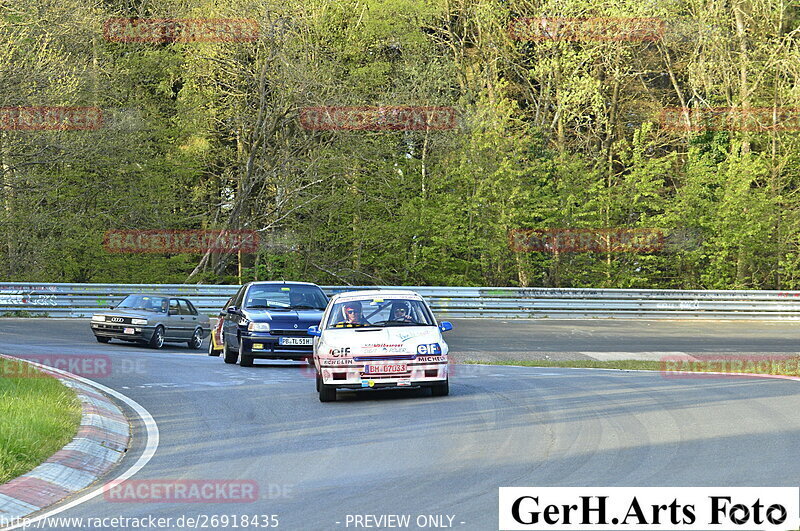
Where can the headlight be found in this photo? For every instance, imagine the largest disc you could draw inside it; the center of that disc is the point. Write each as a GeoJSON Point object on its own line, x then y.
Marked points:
{"type": "Point", "coordinates": [99, 318]}
{"type": "Point", "coordinates": [258, 327]}
{"type": "Point", "coordinates": [139, 321]}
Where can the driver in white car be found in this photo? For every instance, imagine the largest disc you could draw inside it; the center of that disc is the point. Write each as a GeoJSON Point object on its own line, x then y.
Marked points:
{"type": "Point", "coordinates": [400, 312]}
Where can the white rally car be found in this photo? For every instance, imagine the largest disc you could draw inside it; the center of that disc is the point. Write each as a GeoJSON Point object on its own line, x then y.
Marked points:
{"type": "Point", "coordinates": [379, 339]}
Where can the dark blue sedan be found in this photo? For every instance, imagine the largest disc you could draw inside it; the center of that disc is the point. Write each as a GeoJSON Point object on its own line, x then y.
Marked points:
{"type": "Point", "coordinates": [270, 320]}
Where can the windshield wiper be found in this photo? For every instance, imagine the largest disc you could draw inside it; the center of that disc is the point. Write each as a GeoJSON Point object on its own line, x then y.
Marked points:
{"type": "Point", "coordinates": [305, 307]}
{"type": "Point", "coordinates": [267, 306]}
{"type": "Point", "coordinates": [393, 321]}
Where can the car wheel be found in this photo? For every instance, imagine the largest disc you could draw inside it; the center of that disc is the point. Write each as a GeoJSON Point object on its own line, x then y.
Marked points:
{"type": "Point", "coordinates": [441, 389]}
{"type": "Point", "coordinates": [197, 339]}
{"type": "Point", "coordinates": [327, 393]}
{"type": "Point", "coordinates": [211, 350]}
{"type": "Point", "coordinates": [157, 341]}
{"type": "Point", "coordinates": [318, 378]}
{"type": "Point", "coordinates": [244, 360]}
{"type": "Point", "coordinates": [229, 355]}
{"type": "Point", "coordinates": [102, 339]}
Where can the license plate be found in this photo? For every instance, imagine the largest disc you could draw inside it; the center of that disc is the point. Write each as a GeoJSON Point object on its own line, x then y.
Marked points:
{"type": "Point", "coordinates": [385, 369]}
{"type": "Point", "coordinates": [296, 341]}
{"type": "Point", "coordinates": [129, 331]}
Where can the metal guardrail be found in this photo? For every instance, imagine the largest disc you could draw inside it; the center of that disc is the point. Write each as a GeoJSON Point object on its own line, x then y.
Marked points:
{"type": "Point", "coordinates": [81, 300]}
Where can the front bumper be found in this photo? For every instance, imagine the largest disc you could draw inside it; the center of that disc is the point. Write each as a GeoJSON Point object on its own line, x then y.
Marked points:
{"type": "Point", "coordinates": [355, 376]}
{"type": "Point", "coordinates": [263, 345]}
{"type": "Point", "coordinates": [117, 331]}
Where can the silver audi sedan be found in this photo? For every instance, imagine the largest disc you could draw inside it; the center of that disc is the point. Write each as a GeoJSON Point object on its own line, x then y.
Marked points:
{"type": "Point", "coordinates": [152, 320]}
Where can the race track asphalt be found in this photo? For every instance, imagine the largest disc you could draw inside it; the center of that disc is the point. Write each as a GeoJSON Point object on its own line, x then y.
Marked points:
{"type": "Point", "coordinates": [403, 452]}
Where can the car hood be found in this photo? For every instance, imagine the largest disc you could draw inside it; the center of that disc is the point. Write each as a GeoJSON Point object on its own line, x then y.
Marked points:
{"type": "Point", "coordinates": [130, 313]}
{"type": "Point", "coordinates": [389, 342]}
{"type": "Point", "coordinates": [281, 319]}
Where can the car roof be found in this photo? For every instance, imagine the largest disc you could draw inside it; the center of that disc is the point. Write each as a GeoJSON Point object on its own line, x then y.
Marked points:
{"type": "Point", "coordinates": [378, 293]}
{"type": "Point", "coordinates": [162, 296]}
{"type": "Point", "coordinates": [281, 282]}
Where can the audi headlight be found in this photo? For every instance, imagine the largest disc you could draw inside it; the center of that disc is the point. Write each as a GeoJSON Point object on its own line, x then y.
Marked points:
{"type": "Point", "coordinates": [99, 318]}
{"type": "Point", "coordinates": [258, 327]}
{"type": "Point", "coordinates": [139, 321]}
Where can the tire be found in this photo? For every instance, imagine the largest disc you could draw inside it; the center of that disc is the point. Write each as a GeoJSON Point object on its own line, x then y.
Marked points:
{"type": "Point", "coordinates": [441, 389]}
{"type": "Point", "coordinates": [318, 378]}
{"type": "Point", "coordinates": [211, 350]}
{"type": "Point", "coordinates": [228, 355]}
{"type": "Point", "coordinates": [197, 339]}
{"type": "Point", "coordinates": [327, 393]}
{"type": "Point", "coordinates": [157, 341]}
{"type": "Point", "coordinates": [244, 360]}
{"type": "Point", "coordinates": [101, 339]}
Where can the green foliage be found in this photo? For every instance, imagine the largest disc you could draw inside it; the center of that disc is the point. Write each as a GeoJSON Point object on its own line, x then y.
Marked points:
{"type": "Point", "coordinates": [550, 134]}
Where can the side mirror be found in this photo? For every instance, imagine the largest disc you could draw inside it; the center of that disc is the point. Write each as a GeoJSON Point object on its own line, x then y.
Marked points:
{"type": "Point", "coordinates": [233, 310]}
{"type": "Point", "coordinates": [314, 331]}
{"type": "Point", "coordinates": [444, 326]}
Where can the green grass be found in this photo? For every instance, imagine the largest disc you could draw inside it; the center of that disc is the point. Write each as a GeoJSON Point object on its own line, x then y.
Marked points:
{"type": "Point", "coordinates": [580, 364]}
{"type": "Point", "coordinates": [780, 365]}
{"type": "Point", "coordinates": [38, 415]}
{"type": "Point", "coordinates": [23, 313]}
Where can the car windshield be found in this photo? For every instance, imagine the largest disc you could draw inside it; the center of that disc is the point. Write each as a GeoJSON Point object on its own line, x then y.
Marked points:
{"type": "Point", "coordinates": [147, 303]}
{"type": "Point", "coordinates": [285, 297]}
{"type": "Point", "coordinates": [379, 312]}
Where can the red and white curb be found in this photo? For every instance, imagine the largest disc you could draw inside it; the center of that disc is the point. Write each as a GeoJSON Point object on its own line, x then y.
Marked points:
{"type": "Point", "coordinates": [101, 441]}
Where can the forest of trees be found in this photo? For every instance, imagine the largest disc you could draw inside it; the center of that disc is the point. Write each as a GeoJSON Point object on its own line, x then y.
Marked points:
{"type": "Point", "coordinates": [549, 132]}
